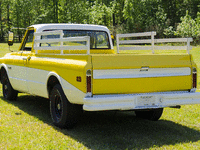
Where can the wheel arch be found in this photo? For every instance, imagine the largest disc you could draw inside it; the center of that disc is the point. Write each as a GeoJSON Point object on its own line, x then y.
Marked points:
{"type": "Point", "coordinates": [3, 68]}
{"type": "Point", "coordinates": [52, 79]}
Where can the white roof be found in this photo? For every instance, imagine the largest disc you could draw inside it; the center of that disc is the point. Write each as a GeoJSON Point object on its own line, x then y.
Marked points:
{"type": "Point", "coordinates": [41, 27]}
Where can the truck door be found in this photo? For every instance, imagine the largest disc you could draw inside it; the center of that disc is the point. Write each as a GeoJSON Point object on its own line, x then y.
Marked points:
{"type": "Point", "coordinates": [19, 69]}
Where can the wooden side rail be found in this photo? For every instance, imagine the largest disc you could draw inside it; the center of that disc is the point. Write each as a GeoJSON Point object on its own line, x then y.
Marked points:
{"type": "Point", "coordinates": [38, 41]}
{"type": "Point", "coordinates": [151, 41]}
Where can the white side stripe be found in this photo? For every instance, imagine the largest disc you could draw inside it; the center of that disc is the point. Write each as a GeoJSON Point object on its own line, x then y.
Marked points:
{"type": "Point", "coordinates": [138, 73]}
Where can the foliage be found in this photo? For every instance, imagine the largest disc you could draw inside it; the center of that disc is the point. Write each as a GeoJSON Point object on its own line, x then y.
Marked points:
{"type": "Point", "coordinates": [74, 11]}
{"type": "Point", "coordinates": [119, 16]}
{"type": "Point", "coordinates": [189, 27]}
{"type": "Point", "coordinates": [198, 27]}
{"type": "Point", "coordinates": [169, 32]}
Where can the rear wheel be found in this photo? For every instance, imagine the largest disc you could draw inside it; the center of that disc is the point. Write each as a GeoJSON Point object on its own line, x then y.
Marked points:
{"type": "Point", "coordinates": [153, 114]}
{"type": "Point", "coordinates": [63, 113]}
{"type": "Point", "coordinates": [8, 92]}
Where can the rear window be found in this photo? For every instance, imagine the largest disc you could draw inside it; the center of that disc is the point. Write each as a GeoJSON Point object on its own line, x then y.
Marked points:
{"type": "Point", "coordinates": [98, 39]}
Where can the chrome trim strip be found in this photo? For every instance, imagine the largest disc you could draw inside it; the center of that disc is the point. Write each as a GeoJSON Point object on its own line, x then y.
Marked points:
{"type": "Point", "coordinates": [139, 73]}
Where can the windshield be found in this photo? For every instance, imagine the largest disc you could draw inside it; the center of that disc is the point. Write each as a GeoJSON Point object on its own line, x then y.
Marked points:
{"type": "Point", "coordinates": [98, 39]}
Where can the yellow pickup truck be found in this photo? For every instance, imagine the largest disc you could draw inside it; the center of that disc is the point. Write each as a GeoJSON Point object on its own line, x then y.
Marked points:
{"type": "Point", "coordinates": [76, 68]}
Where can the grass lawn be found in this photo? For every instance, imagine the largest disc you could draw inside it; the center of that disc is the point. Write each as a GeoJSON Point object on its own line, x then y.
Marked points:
{"type": "Point", "coordinates": [26, 124]}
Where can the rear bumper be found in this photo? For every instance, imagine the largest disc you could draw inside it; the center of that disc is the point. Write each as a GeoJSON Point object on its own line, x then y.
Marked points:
{"type": "Point", "coordinates": [139, 101]}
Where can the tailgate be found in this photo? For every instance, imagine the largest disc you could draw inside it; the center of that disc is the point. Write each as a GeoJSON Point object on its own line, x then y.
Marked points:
{"type": "Point", "coordinates": [126, 74]}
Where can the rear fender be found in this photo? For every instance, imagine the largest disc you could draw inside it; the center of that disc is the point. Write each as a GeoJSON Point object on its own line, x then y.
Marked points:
{"type": "Point", "coordinates": [73, 94]}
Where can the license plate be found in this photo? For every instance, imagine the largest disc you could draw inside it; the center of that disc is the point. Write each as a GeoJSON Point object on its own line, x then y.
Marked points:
{"type": "Point", "coordinates": [146, 101]}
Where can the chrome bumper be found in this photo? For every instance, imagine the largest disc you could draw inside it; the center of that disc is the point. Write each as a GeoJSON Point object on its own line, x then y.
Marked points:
{"type": "Point", "coordinates": [140, 101]}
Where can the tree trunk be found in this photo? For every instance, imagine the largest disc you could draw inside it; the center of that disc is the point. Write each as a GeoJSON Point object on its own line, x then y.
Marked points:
{"type": "Point", "coordinates": [56, 11]}
{"type": "Point", "coordinates": [1, 37]}
{"type": "Point", "coordinates": [8, 17]}
{"type": "Point", "coordinates": [114, 23]}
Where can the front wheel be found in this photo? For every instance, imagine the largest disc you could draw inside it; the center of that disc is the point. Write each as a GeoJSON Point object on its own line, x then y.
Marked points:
{"type": "Point", "coordinates": [152, 114]}
{"type": "Point", "coordinates": [63, 113]}
{"type": "Point", "coordinates": [8, 92]}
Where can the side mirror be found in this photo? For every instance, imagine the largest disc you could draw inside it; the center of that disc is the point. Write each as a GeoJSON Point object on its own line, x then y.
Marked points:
{"type": "Point", "coordinates": [10, 38]}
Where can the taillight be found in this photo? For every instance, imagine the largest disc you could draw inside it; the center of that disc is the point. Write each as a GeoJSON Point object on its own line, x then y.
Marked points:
{"type": "Point", "coordinates": [194, 73]}
{"type": "Point", "coordinates": [89, 83]}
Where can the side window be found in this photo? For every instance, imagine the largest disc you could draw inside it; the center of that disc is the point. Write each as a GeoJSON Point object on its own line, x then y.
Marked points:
{"type": "Point", "coordinates": [28, 41]}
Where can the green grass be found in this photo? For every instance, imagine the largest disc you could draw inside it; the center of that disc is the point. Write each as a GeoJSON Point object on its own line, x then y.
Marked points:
{"type": "Point", "coordinates": [26, 124]}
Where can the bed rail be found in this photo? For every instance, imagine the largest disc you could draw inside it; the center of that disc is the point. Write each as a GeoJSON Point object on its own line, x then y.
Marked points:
{"type": "Point", "coordinates": [58, 38]}
{"type": "Point", "coordinates": [151, 41]}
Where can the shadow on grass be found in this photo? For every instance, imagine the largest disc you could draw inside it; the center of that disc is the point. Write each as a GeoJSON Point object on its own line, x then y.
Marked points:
{"type": "Point", "coordinates": [113, 129]}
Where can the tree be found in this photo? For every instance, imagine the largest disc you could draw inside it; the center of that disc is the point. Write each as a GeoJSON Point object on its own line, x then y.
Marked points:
{"type": "Point", "coordinates": [1, 36]}
{"type": "Point", "coordinates": [187, 27]}
{"type": "Point", "coordinates": [118, 15]}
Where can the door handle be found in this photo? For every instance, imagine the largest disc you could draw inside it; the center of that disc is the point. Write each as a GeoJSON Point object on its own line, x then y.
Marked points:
{"type": "Point", "coordinates": [144, 69]}
{"type": "Point", "coordinates": [27, 58]}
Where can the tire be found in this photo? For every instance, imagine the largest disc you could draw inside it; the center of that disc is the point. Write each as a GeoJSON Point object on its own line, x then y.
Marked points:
{"type": "Point", "coordinates": [8, 92]}
{"type": "Point", "coordinates": [63, 113]}
{"type": "Point", "coordinates": [153, 114]}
